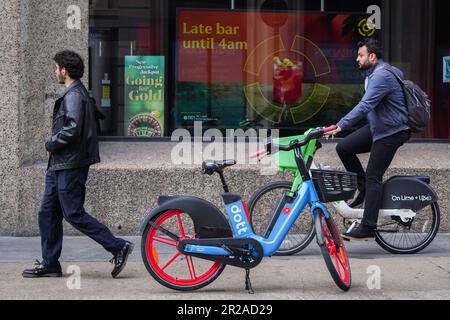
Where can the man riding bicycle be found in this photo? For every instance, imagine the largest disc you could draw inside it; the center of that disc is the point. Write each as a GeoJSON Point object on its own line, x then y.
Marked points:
{"type": "Point", "coordinates": [384, 106]}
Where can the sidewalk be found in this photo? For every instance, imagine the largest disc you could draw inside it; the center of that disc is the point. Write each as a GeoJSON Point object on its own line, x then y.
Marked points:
{"type": "Point", "coordinates": [422, 276]}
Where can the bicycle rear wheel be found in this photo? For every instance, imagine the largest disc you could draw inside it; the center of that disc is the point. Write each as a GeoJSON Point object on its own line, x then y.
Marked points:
{"type": "Point", "coordinates": [409, 236]}
{"type": "Point", "coordinates": [166, 264]}
{"type": "Point", "coordinates": [333, 250]}
{"type": "Point", "coordinates": [261, 207]}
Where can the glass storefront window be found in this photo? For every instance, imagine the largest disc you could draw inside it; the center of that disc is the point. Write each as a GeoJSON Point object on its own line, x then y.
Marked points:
{"type": "Point", "coordinates": [156, 66]}
{"type": "Point", "coordinates": [128, 47]}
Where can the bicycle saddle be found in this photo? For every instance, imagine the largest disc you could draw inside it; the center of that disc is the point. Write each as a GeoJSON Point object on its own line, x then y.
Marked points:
{"type": "Point", "coordinates": [211, 166]}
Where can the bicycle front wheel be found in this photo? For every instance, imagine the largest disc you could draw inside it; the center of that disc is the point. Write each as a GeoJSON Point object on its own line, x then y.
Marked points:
{"type": "Point", "coordinates": [261, 207]}
{"type": "Point", "coordinates": [333, 250]}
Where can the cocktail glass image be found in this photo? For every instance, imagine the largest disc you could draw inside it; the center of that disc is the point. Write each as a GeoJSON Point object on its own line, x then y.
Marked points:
{"type": "Point", "coordinates": [287, 81]}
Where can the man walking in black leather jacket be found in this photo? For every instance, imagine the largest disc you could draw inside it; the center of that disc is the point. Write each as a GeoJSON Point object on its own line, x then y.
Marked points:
{"type": "Point", "coordinates": [72, 148]}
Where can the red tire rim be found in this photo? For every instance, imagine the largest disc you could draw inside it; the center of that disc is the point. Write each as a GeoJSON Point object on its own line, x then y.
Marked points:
{"type": "Point", "coordinates": [338, 255]}
{"type": "Point", "coordinates": [192, 278]}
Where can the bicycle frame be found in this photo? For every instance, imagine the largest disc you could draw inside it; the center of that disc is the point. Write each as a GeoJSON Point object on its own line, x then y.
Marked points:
{"type": "Point", "coordinates": [345, 211]}
{"type": "Point", "coordinates": [242, 229]}
{"type": "Point", "coordinates": [238, 216]}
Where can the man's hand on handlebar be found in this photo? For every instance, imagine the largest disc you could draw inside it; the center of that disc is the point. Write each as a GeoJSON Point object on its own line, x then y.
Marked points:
{"type": "Point", "coordinates": [332, 134]}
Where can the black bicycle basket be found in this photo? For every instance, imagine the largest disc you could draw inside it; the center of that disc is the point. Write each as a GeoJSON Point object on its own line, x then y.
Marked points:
{"type": "Point", "coordinates": [334, 185]}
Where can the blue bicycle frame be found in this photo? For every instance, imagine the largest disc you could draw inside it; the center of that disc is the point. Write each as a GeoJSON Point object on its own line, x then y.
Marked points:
{"type": "Point", "coordinates": [306, 194]}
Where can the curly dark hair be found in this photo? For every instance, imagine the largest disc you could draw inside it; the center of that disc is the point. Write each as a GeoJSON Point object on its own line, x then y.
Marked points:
{"type": "Point", "coordinates": [373, 46]}
{"type": "Point", "coordinates": [72, 62]}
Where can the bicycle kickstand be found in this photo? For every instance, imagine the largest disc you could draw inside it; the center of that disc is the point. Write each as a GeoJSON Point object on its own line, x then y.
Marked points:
{"type": "Point", "coordinates": [248, 284]}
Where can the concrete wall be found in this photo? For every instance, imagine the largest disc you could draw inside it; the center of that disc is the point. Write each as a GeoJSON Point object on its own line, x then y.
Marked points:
{"type": "Point", "coordinates": [44, 32]}
{"type": "Point", "coordinates": [10, 52]}
{"type": "Point", "coordinates": [32, 32]}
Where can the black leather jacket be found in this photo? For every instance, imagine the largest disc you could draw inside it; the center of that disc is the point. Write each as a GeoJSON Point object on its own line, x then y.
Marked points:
{"type": "Point", "coordinates": [74, 142]}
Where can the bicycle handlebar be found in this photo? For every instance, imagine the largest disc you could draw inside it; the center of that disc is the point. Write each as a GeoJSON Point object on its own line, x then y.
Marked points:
{"type": "Point", "coordinates": [315, 134]}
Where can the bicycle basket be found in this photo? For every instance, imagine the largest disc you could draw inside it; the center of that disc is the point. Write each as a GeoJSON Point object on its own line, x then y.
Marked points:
{"type": "Point", "coordinates": [334, 185]}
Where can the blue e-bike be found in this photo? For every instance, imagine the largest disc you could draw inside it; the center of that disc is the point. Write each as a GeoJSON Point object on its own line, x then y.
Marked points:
{"type": "Point", "coordinates": [187, 241]}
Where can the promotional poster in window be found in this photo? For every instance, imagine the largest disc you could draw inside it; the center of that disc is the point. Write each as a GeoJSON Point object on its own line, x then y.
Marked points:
{"type": "Point", "coordinates": [144, 96]}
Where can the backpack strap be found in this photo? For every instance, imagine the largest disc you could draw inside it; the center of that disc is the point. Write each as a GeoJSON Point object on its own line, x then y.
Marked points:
{"type": "Point", "coordinates": [400, 80]}
{"type": "Point", "coordinates": [402, 85]}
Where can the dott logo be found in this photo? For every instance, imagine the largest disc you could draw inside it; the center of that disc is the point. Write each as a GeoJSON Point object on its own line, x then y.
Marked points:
{"type": "Point", "coordinates": [241, 225]}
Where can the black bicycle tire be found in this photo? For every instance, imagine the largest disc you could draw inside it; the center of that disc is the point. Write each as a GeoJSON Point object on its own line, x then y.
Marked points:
{"type": "Point", "coordinates": [436, 223]}
{"type": "Point", "coordinates": [251, 205]}
{"type": "Point", "coordinates": [162, 281]}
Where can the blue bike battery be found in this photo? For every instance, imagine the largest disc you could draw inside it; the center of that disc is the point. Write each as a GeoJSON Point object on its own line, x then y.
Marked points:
{"type": "Point", "coordinates": [238, 215]}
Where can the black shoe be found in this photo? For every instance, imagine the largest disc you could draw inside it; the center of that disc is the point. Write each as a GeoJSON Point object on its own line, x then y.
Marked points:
{"type": "Point", "coordinates": [120, 259]}
{"type": "Point", "coordinates": [359, 200]}
{"type": "Point", "coordinates": [360, 233]}
{"type": "Point", "coordinates": [41, 271]}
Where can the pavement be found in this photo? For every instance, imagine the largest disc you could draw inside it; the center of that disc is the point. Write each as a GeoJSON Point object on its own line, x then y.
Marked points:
{"type": "Point", "coordinates": [376, 275]}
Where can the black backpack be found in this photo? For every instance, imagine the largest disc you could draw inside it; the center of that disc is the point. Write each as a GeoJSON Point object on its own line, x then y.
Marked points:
{"type": "Point", "coordinates": [417, 102]}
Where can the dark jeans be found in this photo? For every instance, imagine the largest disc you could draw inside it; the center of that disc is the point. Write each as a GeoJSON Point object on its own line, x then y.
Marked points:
{"type": "Point", "coordinates": [381, 154]}
{"type": "Point", "coordinates": [64, 197]}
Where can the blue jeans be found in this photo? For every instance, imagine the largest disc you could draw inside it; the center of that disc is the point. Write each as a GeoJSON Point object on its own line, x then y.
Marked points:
{"type": "Point", "coordinates": [64, 197]}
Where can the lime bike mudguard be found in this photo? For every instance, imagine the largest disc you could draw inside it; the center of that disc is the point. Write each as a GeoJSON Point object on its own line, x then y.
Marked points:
{"type": "Point", "coordinates": [209, 221]}
{"type": "Point", "coordinates": [403, 192]}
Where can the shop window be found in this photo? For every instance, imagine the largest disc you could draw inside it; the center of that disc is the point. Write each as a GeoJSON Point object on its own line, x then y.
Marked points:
{"type": "Point", "coordinates": [156, 66]}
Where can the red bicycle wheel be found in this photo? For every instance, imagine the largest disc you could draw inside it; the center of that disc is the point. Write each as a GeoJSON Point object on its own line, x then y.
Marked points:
{"type": "Point", "coordinates": [333, 251]}
{"type": "Point", "coordinates": [166, 264]}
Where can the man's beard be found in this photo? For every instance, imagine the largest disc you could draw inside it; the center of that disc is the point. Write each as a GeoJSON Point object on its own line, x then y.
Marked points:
{"type": "Point", "coordinates": [61, 79]}
{"type": "Point", "coordinates": [366, 66]}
